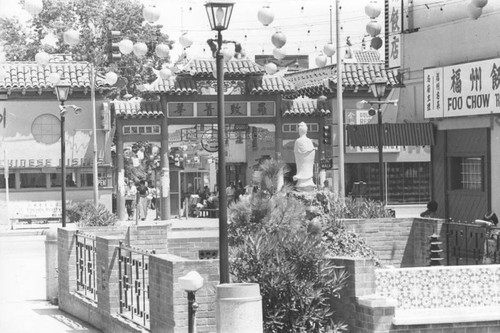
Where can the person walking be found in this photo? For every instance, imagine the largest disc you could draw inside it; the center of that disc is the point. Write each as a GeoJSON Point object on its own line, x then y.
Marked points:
{"type": "Point", "coordinates": [142, 206]}
{"type": "Point", "coordinates": [130, 198]}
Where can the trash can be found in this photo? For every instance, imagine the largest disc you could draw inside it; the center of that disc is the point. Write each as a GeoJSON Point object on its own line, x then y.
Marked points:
{"type": "Point", "coordinates": [239, 308]}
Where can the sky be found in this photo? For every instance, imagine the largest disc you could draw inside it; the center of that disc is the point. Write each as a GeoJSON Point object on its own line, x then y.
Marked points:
{"type": "Point", "coordinates": [305, 23]}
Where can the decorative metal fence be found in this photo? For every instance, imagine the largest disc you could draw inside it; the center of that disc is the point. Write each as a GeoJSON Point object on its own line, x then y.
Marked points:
{"type": "Point", "coordinates": [86, 265]}
{"type": "Point", "coordinates": [133, 270]}
{"type": "Point", "coordinates": [472, 244]}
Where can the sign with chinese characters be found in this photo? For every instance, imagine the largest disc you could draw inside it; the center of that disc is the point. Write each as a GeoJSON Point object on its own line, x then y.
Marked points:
{"type": "Point", "coordinates": [210, 109]}
{"type": "Point", "coordinates": [361, 117]}
{"type": "Point", "coordinates": [462, 90]}
{"type": "Point", "coordinates": [395, 24]}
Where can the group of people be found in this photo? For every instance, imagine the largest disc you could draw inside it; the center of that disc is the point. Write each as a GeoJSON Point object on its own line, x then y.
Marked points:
{"type": "Point", "coordinates": [141, 197]}
{"type": "Point", "coordinates": [233, 192]}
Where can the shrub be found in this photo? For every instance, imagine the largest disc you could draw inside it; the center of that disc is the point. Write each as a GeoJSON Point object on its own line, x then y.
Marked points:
{"type": "Point", "coordinates": [86, 214]}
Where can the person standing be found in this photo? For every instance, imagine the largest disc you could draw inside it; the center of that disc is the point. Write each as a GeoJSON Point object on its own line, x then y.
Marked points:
{"type": "Point", "coordinates": [230, 192]}
{"type": "Point", "coordinates": [142, 206]}
{"type": "Point", "coordinates": [130, 198]}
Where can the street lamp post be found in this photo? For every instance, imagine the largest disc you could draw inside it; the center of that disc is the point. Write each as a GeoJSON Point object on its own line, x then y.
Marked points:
{"type": "Point", "coordinates": [62, 91]}
{"type": "Point", "coordinates": [378, 86]}
{"type": "Point", "coordinates": [219, 15]}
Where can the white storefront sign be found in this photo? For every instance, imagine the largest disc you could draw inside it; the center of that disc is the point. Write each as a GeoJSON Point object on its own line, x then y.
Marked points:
{"type": "Point", "coordinates": [462, 90]}
{"type": "Point", "coordinates": [395, 19]}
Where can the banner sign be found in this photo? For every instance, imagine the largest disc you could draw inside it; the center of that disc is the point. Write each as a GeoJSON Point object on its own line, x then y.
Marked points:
{"type": "Point", "coordinates": [395, 24]}
{"type": "Point", "coordinates": [462, 90]}
{"type": "Point", "coordinates": [210, 109]}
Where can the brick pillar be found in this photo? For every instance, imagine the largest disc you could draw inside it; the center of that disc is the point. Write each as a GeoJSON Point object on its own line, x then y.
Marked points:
{"type": "Point", "coordinates": [66, 260]}
{"type": "Point", "coordinates": [374, 314]}
{"type": "Point", "coordinates": [107, 274]}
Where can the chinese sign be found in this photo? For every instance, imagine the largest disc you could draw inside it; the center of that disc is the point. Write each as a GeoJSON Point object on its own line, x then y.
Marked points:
{"type": "Point", "coordinates": [395, 20]}
{"type": "Point", "coordinates": [210, 109]}
{"type": "Point", "coordinates": [462, 90]}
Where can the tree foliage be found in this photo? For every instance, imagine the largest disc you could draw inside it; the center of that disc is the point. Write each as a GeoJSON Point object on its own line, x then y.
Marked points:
{"type": "Point", "coordinates": [94, 19]}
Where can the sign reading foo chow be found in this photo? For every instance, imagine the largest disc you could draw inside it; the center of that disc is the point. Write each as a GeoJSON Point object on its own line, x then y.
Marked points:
{"type": "Point", "coordinates": [462, 90]}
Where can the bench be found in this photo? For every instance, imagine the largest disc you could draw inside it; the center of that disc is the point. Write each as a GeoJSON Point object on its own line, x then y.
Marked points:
{"type": "Point", "coordinates": [208, 213]}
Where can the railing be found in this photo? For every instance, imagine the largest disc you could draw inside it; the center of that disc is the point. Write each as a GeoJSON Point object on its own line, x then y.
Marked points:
{"type": "Point", "coordinates": [86, 277]}
{"type": "Point", "coordinates": [133, 272]}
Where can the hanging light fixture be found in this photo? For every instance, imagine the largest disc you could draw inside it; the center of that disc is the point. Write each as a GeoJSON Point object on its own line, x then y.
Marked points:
{"type": "Point", "coordinates": [278, 39]}
{"type": "Point", "coordinates": [185, 40]}
{"type": "Point", "coordinates": [321, 60]}
{"type": "Point", "coordinates": [372, 9]}
{"type": "Point", "coordinates": [34, 7]}
{"type": "Point", "coordinates": [151, 14]}
{"type": "Point", "coordinates": [373, 28]}
{"type": "Point", "coordinates": [165, 73]}
{"type": "Point", "coordinates": [271, 68]}
{"type": "Point", "coordinates": [378, 85]}
{"type": "Point", "coordinates": [329, 49]}
{"type": "Point", "coordinates": [111, 78]}
{"type": "Point", "coordinates": [279, 53]}
{"type": "Point", "coordinates": [162, 50]}
{"type": "Point", "coordinates": [126, 46]}
{"type": "Point", "coordinates": [473, 11]}
{"type": "Point", "coordinates": [376, 43]}
{"type": "Point", "coordinates": [42, 58]}
{"type": "Point", "coordinates": [140, 49]}
{"type": "Point", "coordinates": [265, 15]}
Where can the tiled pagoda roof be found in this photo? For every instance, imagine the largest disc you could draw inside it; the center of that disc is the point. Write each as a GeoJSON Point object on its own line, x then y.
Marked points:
{"type": "Point", "coordinates": [323, 80]}
{"type": "Point", "coordinates": [234, 68]}
{"type": "Point", "coordinates": [24, 76]}
{"type": "Point", "coordinates": [304, 106]}
{"type": "Point", "coordinates": [137, 108]}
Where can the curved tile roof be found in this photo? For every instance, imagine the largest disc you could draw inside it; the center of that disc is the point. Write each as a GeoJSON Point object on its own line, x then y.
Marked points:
{"type": "Point", "coordinates": [234, 68]}
{"type": "Point", "coordinates": [318, 81]}
{"type": "Point", "coordinates": [137, 108]}
{"type": "Point", "coordinates": [304, 107]}
{"type": "Point", "coordinates": [173, 86]}
{"type": "Point", "coordinates": [31, 76]}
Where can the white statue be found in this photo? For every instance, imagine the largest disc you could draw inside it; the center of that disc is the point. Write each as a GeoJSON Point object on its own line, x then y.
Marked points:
{"type": "Point", "coordinates": [305, 152]}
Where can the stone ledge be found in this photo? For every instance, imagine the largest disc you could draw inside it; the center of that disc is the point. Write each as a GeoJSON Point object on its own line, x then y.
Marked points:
{"type": "Point", "coordinates": [446, 315]}
{"type": "Point", "coordinates": [374, 301]}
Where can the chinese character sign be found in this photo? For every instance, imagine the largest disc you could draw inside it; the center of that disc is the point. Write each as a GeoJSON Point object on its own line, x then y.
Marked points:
{"type": "Point", "coordinates": [463, 89]}
{"type": "Point", "coordinates": [395, 18]}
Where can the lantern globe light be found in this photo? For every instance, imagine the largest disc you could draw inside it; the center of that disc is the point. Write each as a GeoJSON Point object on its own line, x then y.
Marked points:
{"type": "Point", "coordinates": [151, 14]}
{"type": "Point", "coordinates": [265, 16]}
{"type": "Point", "coordinates": [34, 7]}
{"type": "Point", "coordinates": [126, 46]}
{"type": "Point", "coordinates": [71, 37]}
{"type": "Point", "coordinates": [271, 68]}
{"type": "Point", "coordinates": [111, 78]}
{"type": "Point", "coordinates": [473, 11]}
{"type": "Point", "coordinates": [278, 39]}
{"type": "Point", "coordinates": [321, 60]}
{"type": "Point", "coordinates": [162, 50]}
{"type": "Point", "coordinates": [185, 40]}
{"type": "Point", "coordinates": [42, 58]}
{"type": "Point", "coordinates": [378, 85]}
{"type": "Point", "coordinates": [376, 43]}
{"type": "Point", "coordinates": [62, 90]}
{"type": "Point", "coordinates": [219, 14]}
{"type": "Point", "coordinates": [480, 3]}
{"type": "Point", "coordinates": [373, 28]}
{"type": "Point", "coordinates": [373, 9]}
{"type": "Point", "coordinates": [279, 53]}
{"type": "Point", "coordinates": [140, 49]}
{"type": "Point", "coordinates": [329, 49]}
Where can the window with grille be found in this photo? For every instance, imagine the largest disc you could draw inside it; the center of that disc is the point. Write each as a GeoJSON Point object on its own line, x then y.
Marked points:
{"type": "Point", "coordinates": [467, 173]}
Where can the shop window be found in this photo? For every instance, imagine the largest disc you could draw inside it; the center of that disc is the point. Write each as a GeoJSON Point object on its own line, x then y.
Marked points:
{"type": "Point", "coordinates": [467, 173]}
{"type": "Point", "coordinates": [141, 129]}
{"type": "Point", "coordinates": [87, 179]}
{"type": "Point", "coordinates": [33, 180]}
{"type": "Point", "coordinates": [12, 181]}
{"type": "Point", "coordinates": [46, 128]}
{"type": "Point", "coordinates": [294, 128]}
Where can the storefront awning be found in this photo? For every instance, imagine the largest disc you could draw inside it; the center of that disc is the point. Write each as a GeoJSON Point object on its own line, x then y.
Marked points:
{"type": "Point", "coordinates": [401, 134]}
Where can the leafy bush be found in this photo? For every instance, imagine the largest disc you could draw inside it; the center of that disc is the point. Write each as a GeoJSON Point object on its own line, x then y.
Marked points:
{"type": "Point", "coordinates": [86, 214]}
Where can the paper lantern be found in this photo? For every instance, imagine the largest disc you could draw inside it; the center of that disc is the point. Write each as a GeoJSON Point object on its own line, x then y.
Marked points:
{"type": "Point", "coordinates": [185, 40]}
{"type": "Point", "coordinates": [34, 7]}
{"type": "Point", "coordinates": [54, 78]}
{"type": "Point", "coordinates": [162, 50]}
{"type": "Point", "coordinates": [473, 11]}
{"type": "Point", "coordinates": [265, 15]}
{"type": "Point", "coordinates": [480, 3]}
{"type": "Point", "coordinates": [140, 49]}
{"type": "Point", "coordinates": [329, 50]}
{"type": "Point", "coordinates": [376, 43]}
{"type": "Point", "coordinates": [278, 39]}
{"type": "Point", "coordinates": [151, 14]}
{"type": "Point", "coordinates": [165, 73]}
{"type": "Point", "coordinates": [372, 9]}
{"type": "Point", "coordinates": [321, 60]}
{"type": "Point", "coordinates": [373, 28]}
{"type": "Point", "coordinates": [271, 68]}
{"type": "Point", "coordinates": [126, 46]}
{"type": "Point", "coordinates": [279, 53]}
{"type": "Point", "coordinates": [42, 58]}
{"type": "Point", "coordinates": [111, 78]}
{"type": "Point", "coordinates": [71, 37]}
